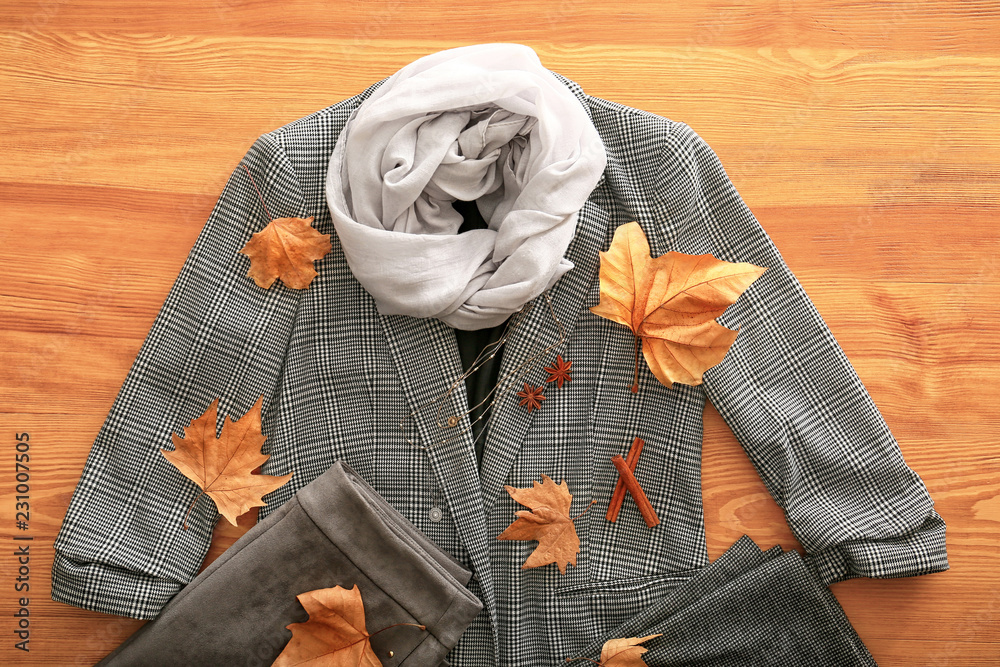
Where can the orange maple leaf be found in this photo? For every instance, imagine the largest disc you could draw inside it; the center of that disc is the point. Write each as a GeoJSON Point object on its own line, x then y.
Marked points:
{"type": "Point", "coordinates": [221, 466]}
{"type": "Point", "coordinates": [624, 652]}
{"type": "Point", "coordinates": [286, 249]}
{"type": "Point", "coordinates": [670, 303]}
{"type": "Point", "coordinates": [549, 523]}
{"type": "Point", "coordinates": [335, 634]}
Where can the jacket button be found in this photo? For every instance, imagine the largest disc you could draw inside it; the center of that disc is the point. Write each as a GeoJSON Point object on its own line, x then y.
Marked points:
{"type": "Point", "coordinates": [435, 514]}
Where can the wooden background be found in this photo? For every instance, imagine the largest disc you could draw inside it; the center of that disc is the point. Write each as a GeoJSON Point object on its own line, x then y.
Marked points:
{"type": "Point", "coordinates": [863, 135]}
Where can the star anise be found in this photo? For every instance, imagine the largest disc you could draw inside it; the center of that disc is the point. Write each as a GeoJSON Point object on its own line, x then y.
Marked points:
{"type": "Point", "coordinates": [559, 372]}
{"type": "Point", "coordinates": [531, 397]}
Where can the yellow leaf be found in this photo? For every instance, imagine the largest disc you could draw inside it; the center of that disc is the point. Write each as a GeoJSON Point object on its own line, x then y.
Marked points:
{"type": "Point", "coordinates": [222, 466]}
{"type": "Point", "coordinates": [286, 249]}
{"type": "Point", "coordinates": [670, 303]}
{"type": "Point", "coordinates": [549, 523]}
{"type": "Point", "coordinates": [624, 652]}
{"type": "Point", "coordinates": [334, 635]}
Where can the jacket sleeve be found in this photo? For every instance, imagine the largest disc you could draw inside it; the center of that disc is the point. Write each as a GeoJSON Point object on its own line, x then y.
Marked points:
{"type": "Point", "coordinates": [797, 406]}
{"type": "Point", "coordinates": [121, 548]}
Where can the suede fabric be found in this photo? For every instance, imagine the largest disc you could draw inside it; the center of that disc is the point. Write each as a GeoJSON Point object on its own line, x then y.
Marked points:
{"type": "Point", "coordinates": [335, 531]}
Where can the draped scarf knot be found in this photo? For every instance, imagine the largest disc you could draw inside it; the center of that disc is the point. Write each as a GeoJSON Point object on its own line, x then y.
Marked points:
{"type": "Point", "coordinates": [485, 123]}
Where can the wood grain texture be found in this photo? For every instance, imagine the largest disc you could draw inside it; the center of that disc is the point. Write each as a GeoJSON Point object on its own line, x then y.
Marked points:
{"type": "Point", "coordinates": [863, 135]}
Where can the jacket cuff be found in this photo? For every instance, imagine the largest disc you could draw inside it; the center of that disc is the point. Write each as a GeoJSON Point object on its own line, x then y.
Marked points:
{"type": "Point", "coordinates": [109, 589]}
{"type": "Point", "coordinates": [921, 551]}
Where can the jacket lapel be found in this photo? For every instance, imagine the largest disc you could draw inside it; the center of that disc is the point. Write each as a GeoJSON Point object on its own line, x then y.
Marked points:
{"type": "Point", "coordinates": [428, 363]}
{"type": "Point", "coordinates": [524, 356]}
{"type": "Point", "coordinates": [427, 359]}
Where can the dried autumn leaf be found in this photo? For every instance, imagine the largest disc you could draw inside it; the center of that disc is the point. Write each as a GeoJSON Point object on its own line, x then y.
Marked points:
{"type": "Point", "coordinates": [549, 523]}
{"type": "Point", "coordinates": [624, 652]}
{"type": "Point", "coordinates": [286, 249]}
{"type": "Point", "coordinates": [221, 466]}
{"type": "Point", "coordinates": [670, 303]}
{"type": "Point", "coordinates": [335, 633]}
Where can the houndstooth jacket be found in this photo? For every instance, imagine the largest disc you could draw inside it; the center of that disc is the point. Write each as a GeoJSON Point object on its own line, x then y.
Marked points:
{"type": "Point", "coordinates": [341, 381]}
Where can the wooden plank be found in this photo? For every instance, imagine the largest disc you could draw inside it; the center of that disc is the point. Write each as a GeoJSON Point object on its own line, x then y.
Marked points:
{"type": "Point", "coordinates": [939, 25]}
{"type": "Point", "coordinates": [888, 128]}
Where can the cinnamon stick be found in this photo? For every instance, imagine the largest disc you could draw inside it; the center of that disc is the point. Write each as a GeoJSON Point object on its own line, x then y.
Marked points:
{"type": "Point", "coordinates": [632, 484]}
{"type": "Point", "coordinates": [619, 494]}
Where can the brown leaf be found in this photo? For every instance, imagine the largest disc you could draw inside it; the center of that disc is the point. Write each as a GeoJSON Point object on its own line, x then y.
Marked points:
{"type": "Point", "coordinates": [286, 249]}
{"type": "Point", "coordinates": [221, 466]}
{"type": "Point", "coordinates": [670, 303]}
{"type": "Point", "coordinates": [335, 633]}
{"type": "Point", "coordinates": [624, 652]}
{"type": "Point", "coordinates": [549, 523]}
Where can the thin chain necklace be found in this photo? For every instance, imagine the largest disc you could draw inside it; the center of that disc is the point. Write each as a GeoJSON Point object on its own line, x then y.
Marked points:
{"type": "Point", "coordinates": [505, 384]}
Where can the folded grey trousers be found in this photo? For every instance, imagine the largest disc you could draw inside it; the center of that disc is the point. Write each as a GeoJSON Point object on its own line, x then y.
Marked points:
{"type": "Point", "coordinates": [337, 530]}
{"type": "Point", "coordinates": [748, 608]}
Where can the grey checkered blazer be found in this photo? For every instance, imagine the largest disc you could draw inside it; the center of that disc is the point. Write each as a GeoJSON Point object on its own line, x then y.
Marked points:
{"type": "Point", "coordinates": [339, 381]}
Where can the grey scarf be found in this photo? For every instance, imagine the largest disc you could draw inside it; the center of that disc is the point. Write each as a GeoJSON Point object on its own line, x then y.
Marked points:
{"type": "Point", "coordinates": [485, 123]}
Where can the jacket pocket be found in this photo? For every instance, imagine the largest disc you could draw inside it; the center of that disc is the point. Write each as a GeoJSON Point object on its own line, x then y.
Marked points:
{"type": "Point", "coordinates": [643, 586]}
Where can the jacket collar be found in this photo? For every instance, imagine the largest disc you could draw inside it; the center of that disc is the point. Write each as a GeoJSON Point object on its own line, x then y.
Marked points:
{"type": "Point", "coordinates": [585, 101]}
